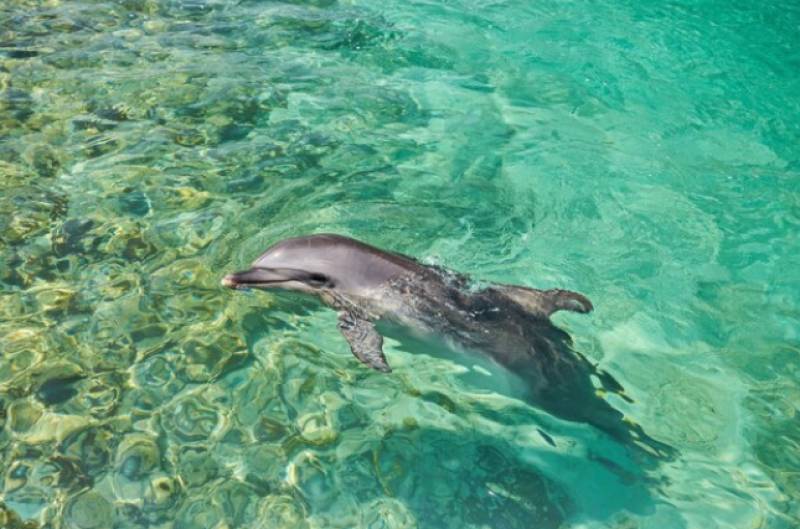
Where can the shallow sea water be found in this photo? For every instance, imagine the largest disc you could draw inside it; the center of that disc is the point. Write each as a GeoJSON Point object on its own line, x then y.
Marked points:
{"type": "Point", "coordinates": [643, 153]}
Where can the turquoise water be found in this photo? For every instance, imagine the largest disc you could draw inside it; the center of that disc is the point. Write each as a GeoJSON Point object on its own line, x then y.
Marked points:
{"type": "Point", "coordinates": [643, 153]}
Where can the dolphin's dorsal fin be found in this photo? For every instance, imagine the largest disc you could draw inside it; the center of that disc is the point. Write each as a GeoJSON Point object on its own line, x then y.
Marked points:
{"type": "Point", "coordinates": [365, 341]}
{"type": "Point", "coordinates": [546, 302]}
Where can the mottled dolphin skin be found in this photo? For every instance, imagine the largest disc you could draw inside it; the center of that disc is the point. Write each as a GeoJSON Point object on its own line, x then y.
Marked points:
{"type": "Point", "coordinates": [509, 324]}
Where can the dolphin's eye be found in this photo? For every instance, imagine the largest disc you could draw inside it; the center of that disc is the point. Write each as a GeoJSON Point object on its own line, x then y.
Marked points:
{"type": "Point", "coordinates": [317, 280]}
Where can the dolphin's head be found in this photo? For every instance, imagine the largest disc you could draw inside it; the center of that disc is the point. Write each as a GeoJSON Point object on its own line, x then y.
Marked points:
{"type": "Point", "coordinates": [317, 262]}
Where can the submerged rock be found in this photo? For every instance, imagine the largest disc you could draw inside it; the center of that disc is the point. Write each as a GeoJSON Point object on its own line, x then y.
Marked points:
{"type": "Point", "coordinates": [197, 466]}
{"type": "Point", "coordinates": [16, 103]}
{"type": "Point", "coordinates": [192, 419]}
{"type": "Point", "coordinates": [388, 513]}
{"type": "Point", "coordinates": [30, 212]}
{"type": "Point", "coordinates": [239, 502]}
{"type": "Point", "coordinates": [70, 236]}
{"type": "Point", "coordinates": [199, 512]}
{"type": "Point", "coordinates": [134, 202]}
{"type": "Point", "coordinates": [55, 427]}
{"type": "Point", "coordinates": [101, 395]}
{"type": "Point", "coordinates": [269, 430]}
{"type": "Point", "coordinates": [44, 159]}
{"type": "Point", "coordinates": [89, 510]}
{"type": "Point", "coordinates": [58, 390]}
{"type": "Point", "coordinates": [207, 361]}
{"type": "Point", "coordinates": [118, 112]}
{"type": "Point", "coordinates": [92, 447]}
{"type": "Point", "coordinates": [281, 511]}
{"type": "Point", "coordinates": [23, 414]}
{"type": "Point", "coordinates": [160, 498]}
{"type": "Point", "coordinates": [9, 519]}
{"type": "Point", "coordinates": [137, 456]}
{"type": "Point", "coordinates": [316, 429]}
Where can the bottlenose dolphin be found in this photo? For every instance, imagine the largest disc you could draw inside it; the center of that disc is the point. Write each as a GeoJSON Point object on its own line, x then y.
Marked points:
{"type": "Point", "coordinates": [507, 323]}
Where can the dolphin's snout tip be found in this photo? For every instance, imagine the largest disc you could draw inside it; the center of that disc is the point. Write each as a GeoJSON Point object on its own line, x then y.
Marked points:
{"type": "Point", "coordinates": [228, 281]}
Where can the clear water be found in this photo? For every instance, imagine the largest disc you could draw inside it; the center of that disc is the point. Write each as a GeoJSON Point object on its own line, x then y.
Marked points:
{"type": "Point", "coordinates": [643, 153]}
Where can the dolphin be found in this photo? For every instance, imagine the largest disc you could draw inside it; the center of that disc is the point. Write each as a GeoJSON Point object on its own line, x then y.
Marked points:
{"type": "Point", "coordinates": [509, 324]}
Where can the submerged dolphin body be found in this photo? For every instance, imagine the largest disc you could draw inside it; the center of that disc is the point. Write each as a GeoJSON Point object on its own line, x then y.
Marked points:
{"type": "Point", "coordinates": [508, 324]}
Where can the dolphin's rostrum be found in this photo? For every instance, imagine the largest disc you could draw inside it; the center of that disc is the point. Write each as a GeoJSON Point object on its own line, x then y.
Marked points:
{"type": "Point", "coordinates": [506, 323]}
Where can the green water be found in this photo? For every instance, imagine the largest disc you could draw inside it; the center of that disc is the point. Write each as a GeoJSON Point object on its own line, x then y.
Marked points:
{"type": "Point", "coordinates": [643, 153]}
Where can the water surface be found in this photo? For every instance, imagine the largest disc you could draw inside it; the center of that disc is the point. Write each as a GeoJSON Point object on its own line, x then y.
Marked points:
{"type": "Point", "coordinates": [643, 153]}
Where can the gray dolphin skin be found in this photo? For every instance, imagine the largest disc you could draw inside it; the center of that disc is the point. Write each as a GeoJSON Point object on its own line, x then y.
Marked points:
{"type": "Point", "coordinates": [508, 324]}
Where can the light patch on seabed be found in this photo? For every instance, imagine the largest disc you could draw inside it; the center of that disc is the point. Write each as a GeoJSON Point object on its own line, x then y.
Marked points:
{"type": "Point", "coordinates": [698, 415]}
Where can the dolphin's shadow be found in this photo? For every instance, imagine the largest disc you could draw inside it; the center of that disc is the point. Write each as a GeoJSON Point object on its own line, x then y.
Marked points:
{"type": "Point", "coordinates": [467, 478]}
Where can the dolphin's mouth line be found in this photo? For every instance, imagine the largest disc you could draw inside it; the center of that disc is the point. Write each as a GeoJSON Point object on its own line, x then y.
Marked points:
{"type": "Point", "coordinates": [229, 282]}
{"type": "Point", "coordinates": [255, 277]}
{"type": "Point", "coordinates": [266, 277]}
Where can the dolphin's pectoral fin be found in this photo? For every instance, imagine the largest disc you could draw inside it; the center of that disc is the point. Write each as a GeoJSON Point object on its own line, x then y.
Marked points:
{"type": "Point", "coordinates": [546, 302]}
{"type": "Point", "coordinates": [365, 341]}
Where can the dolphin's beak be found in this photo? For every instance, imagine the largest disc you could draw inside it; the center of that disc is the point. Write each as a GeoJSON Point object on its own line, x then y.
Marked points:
{"type": "Point", "coordinates": [255, 278]}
